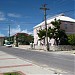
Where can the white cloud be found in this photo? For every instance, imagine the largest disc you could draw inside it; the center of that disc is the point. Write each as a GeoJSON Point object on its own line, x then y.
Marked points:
{"type": "Point", "coordinates": [2, 16]}
{"type": "Point", "coordinates": [18, 30]}
{"type": "Point", "coordinates": [14, 15]}
{"type": "Point", "coordinates": [26, 31]}
{"type": "Point", "coordinates": [1, 35]}
{"type": "Point", "coordinates": [15, 30]}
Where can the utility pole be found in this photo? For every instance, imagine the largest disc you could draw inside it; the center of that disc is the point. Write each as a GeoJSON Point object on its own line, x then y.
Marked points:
{"type": "Point", "coordinates": [9, 33]}
{"type": "Point", "coordinates": [45, 8]}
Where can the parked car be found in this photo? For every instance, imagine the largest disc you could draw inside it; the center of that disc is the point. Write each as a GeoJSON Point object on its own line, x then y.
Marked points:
{"type": "Point", "coordinates": [8, 44]}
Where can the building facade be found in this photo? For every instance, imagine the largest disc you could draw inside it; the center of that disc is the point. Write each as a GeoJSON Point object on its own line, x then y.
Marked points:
{"type": "Point", "coordinates": [1, 41]}
{"type": "Point", "coordinates": [67, 24]}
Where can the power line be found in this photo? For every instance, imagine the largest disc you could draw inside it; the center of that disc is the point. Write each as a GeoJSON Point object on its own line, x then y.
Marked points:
{"type": "Point", "coordinates": [62, 3]}
{"type": "Point", "coordinates": [67, 11]}
{"type": "Point", "coordinates": [36, 23]}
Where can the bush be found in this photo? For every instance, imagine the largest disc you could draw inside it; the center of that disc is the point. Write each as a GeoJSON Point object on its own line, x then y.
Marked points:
{"type": "Point", "coordinates": [71, 39]}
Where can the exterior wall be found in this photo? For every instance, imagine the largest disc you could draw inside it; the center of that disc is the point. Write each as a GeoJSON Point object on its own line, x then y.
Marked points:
{"type": "Point", "coordinates": [14, 40]}
{"type": "Point", "coordinates": [1, 41]}
{"type": "Point", "coordinates": [35, 36]}
{"type": "Point", "coordinates": [69, 28]}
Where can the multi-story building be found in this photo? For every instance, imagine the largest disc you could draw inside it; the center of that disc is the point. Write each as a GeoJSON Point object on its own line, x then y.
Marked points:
{"type": "Point", "coordinates": [67, 24]}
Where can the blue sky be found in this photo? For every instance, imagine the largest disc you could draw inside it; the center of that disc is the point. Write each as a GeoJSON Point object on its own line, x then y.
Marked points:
{"type": "Point", "coordinates": [23, 15]}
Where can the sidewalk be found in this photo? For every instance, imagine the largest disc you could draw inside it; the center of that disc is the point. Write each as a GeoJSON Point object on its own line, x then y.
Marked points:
{"type": "Point", "coordinates": [72, 52]}
{"type": "Point", "coordinates": [9, 63]}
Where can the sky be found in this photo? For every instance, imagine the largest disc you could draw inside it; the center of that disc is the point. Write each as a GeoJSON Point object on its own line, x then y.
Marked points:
{"type": "Point", "coordinates": [23, 15]}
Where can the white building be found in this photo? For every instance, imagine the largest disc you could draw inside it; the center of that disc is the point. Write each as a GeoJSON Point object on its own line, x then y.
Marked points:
{"type": "Point", "coordinates": [67, 24]}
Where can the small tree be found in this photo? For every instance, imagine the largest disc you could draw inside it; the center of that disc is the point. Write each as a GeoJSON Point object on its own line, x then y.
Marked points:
{"type": "Point", "coordinates": [59, 33]}
{"type": "Point", "coordinates": [24, 39]}
{"type": "Point", "coordinates": [42, 34]}
{"type": "Point", "coordinates": [71, 39]}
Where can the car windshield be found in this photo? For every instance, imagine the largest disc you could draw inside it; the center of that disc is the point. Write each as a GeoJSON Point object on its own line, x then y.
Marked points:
{"type": "Point", "coordinates": [8, 43]}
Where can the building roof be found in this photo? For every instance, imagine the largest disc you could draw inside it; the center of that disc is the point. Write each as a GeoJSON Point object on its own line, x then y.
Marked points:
{"type": "Point", "coordinates": [2, 37]}
{"type": "Point", "coordinates": [21, 33]}
{"type": "Point", "coordinates": [58, 17]}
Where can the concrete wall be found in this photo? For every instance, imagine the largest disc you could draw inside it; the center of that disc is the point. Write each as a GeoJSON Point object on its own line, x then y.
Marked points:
{"type": "Point", "coordinates": [52, 48]}
{"type": "Point", "coordinates": [24, 46]}
{"type": "Point", "coordinates": [1, 41]}
{"type": "Point", "coordinates": [57, 48]}
{"type": "Point", "coordinates": [62, 48]}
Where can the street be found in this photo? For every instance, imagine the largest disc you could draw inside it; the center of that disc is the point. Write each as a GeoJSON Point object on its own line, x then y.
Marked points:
{"type": "Point", "coordinates": [45, 59]}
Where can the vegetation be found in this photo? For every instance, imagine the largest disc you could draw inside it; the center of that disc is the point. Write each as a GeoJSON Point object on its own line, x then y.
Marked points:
{"type": "Point", "coordinates": [59, 34]}
{"type": "Point", "coordinates": [71, 39]}
{"type": "Point", "coordinates": [22, 38]}
{"type": "Point", "coordinates": [42, 34]}
{"type": "Point", "coordinates": [13, 73]}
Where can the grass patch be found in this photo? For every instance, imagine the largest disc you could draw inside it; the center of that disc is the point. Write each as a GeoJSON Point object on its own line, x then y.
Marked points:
{"type": "Point", "coordinates": [13, 73]}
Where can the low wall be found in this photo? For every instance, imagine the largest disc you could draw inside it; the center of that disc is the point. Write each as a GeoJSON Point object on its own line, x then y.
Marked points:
{"type": "Point", "coordinates": [52, 48]}
{"type": "Point", "coordinates": [57, 48]}
{"type": "Point", "coordinates": [24, 46]}
{"type": "Point", "coordinates": [62, 48]}
{"type": "Point", "coordinates": [40, 47]}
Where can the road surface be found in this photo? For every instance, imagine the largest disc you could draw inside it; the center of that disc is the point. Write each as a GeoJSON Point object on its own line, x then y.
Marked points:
{"type": "Point", "coordinates": [45, 59]}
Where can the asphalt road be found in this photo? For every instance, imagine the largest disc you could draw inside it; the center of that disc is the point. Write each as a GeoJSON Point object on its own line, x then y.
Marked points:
{"type": "Point", "coordinates": [45, 59]}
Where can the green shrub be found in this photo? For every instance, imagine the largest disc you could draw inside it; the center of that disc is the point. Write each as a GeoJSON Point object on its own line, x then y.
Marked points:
{"type": "Point", "coordinates": [13, 73]}
{"type": "Point", "coordinates": [71, 39]}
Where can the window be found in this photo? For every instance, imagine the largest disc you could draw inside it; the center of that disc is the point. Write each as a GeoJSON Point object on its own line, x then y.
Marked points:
{"type": "Point", "coordinates": [65, 26]}
{"type": "Point", "coordinates": [71, 25]}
